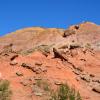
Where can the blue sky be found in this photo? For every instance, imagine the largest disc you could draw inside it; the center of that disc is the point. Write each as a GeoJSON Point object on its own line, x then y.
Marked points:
{"type": "Point", "coordinates": [17, 14]}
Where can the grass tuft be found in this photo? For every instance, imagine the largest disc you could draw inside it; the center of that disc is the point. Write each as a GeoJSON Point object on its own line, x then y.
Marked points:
{"type": "Point", "coordinates": [5, 92]}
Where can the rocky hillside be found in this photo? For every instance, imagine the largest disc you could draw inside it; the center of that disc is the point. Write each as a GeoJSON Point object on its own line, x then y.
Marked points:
{"type": "Point", "coordinates": [37, 60]}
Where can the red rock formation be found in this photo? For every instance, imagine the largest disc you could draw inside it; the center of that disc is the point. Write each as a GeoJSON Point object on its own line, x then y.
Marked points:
{"type": "Point", "coordinates": [77, 63]}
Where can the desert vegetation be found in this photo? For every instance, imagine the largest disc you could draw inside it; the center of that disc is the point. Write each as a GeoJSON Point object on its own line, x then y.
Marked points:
{"type": "Point", "coordinates": [5, 92]}
{"type": "Point", "coordinates": [63, 91]}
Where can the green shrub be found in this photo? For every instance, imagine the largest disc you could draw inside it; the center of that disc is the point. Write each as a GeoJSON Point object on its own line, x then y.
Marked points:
{"type": "Point", "coordinates": [43, 84]}
{"type": "Point", "coordinates": [64, 92]}
{"type": "Point", "coordinates": [39, 83]}
{"type": "Point", "coordinates": [5, 92]}
{"type": "Point", "coordinates": [46, 86]}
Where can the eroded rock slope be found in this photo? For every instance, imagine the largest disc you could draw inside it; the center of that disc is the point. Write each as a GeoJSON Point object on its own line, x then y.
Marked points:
{"type": "Point", "coordinates": [52, 55]}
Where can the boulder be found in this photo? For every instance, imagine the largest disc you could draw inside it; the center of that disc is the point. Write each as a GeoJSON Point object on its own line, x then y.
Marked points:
{"type": "Point", "coordinates": [57, 54]}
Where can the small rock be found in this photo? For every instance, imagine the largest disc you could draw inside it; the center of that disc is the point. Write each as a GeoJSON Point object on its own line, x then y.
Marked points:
{"type": "Point", "coordinates": [76, 72]}
{"type": "Point", "coordinates": [85, 73]}
{"type": "Point", "coordinates": [26, 65]}
{"type": "Point", "coordinates": [58, 67]}
{"type": "Point", "coordinates": [76, 27]}
{"type": "Point", "coordinates": [37, 78]}
{"type": "Point", "coordinates": [39, 70]}
{"type": "Point", "coordinates": [31, 80]}
{"type": "Point", "coordinates": [47, 66]}
{"type": "Point", "coordinates": [85, 78]}
{"type": "Point", "coordinates": [82, 59]}
{"type": "Point", "coordinates": [58, 83]}
{"type": "Point", "coordinates": [44, 69]}
{"type": "Point", "coordinates": [78, 78]}
{"type": "Point", "coordinates": [74, 53]}
{"type": "Point", "coordinates": [38, 63]}
{"type": "Point", "coordinates": [80, 69]}
{"type": "Point", "coordinates": [19, 73]}
{"type": "Point", "coordinates": [5, 54]}
{"type": "Point", "coordinates": [96, 80]}
{"type": "Point", "coordinates": [24, 83]}
{"type": "Point", "coordinates": [38, 93]}
{"type": "Point", "coordinates": [92, 75]}
{"type": "Point", "coordinates": [96, 89]}
{"type": "Point", "coordinates": [13, 57]}
{"type": "Point", "coordinates": [13, 63]}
